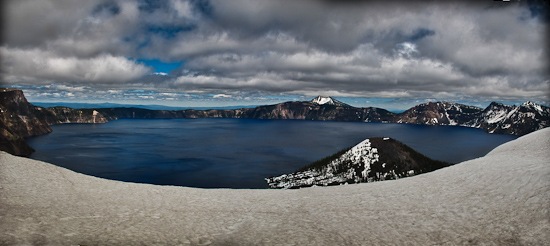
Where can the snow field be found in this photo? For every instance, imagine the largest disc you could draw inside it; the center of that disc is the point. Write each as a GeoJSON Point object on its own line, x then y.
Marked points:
{"type": "Point", "coordinates": [499, 199]}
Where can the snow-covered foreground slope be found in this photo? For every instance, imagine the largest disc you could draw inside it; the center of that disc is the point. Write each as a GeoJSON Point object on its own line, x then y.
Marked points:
{"type": "Point", "coordinates": [499, 199]}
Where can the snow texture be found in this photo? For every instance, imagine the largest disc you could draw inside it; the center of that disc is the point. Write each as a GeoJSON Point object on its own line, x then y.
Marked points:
{"type": "Point", "coordinates": [499, 199]}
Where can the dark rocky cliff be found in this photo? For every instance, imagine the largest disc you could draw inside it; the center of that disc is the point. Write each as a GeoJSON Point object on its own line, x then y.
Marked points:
{"type": "Point", "coordinates": [439, 113]}
{"type": "Point", "coordinates": [496, 118]}
{"type": "Point", "coordinates": [282, 111]}
{"type": "Point", "coordinates": [313, 111]}
{"type": "Point", "coordinates": [63, 115]}
{"type": "Point", "coordinates": [19, 119]}
{"type": "Point", "coordinates": [140, 113]}
{"type": "Point", "coordinates": [516, 120]}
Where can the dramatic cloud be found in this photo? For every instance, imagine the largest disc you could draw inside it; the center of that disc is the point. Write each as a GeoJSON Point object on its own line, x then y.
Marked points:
{"type": "Point", "coordinates": [249, 49]}
{"type": "Point", "coordinates": [35, 64]}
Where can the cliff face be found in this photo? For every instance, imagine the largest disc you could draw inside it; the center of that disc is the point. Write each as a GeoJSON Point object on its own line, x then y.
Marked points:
{"type": "Point", "coordinates": [315, 111]}
{"type": "Point", "coordinates": [282, 111]}
{"type": "Point", "coordinates": [496, 118]}
{"type": "Point", "coordinates": [439, 113]}
{"type": "Point", "coordinates": [62, 115]}
{"type": "Point", "coordinates": [140, 113]}
{"type": "Point", "coordinates": [21, 117]}
{"type": "Point", "coordinates": [18, 120]}
{"type": "Point", "coordinates": [516, 120]}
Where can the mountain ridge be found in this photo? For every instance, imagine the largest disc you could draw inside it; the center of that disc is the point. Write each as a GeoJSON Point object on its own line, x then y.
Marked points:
{"type": "Point", "coordinates": [20, 119]}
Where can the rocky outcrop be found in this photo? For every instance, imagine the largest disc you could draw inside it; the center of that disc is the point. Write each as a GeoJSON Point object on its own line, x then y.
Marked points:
{"type": "Point", "coordinates": [12, 143]}
{"type": "Point", "coordinates": [21, 117]}
{"type": "Point", "coordinates": [516, 120]}
{"type": "Point", "coordinates": [283, 111]}
{"type": "Point", "coordinates": [496, 118]}
{"type": "Point", "coordinates": [373, 159]}
{"type": "Point", "coordinates": [18, 120]}
{"type": "Point", "coordinates": [63, 115]}
{"type": "Point", "coordinates": [439, 113]}
{"type": "Point", "coordinates": [140, 113]}
{"type": "Point", "coordinates": [314, 111]}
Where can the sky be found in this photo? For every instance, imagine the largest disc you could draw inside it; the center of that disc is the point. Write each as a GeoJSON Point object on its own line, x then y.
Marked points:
{"type": "Point", "coordinates": [391, 54]}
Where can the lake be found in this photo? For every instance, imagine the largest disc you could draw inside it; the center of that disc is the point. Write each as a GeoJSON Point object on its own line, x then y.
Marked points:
{"type": "Point", "coordinates": [234, 153]}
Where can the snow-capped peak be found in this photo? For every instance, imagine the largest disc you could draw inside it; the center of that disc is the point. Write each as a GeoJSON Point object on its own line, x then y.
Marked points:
{"type": "Point", "coordinates": [323, 100]}
{"type": "Point", "coordinates": [532, 105]}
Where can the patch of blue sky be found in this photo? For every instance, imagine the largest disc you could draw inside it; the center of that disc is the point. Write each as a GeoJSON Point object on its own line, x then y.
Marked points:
{"type": "Point", "coordinates": [203, 6]}
{"type": "Point", "coordinates": [420, 33]}
{"type": "Point", "coordinates": [161, 66]}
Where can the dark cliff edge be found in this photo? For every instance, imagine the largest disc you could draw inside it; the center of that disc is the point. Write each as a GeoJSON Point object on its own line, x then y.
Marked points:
{"type": "Point", "coordinates": [19, 119]}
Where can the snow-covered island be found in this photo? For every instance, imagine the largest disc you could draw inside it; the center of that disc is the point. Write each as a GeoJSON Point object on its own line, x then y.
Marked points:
{"type": "Point", "coordinates": [373, 159]}
{"type": "Point", "coordinates": [499, 199]}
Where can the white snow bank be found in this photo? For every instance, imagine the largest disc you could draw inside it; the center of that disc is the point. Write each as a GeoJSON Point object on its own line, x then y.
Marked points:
{"type": "Point", "coordinates": [499, 199]}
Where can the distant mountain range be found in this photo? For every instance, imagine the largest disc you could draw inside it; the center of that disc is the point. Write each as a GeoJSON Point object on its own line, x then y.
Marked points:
{"type": "Point", "coordinates": [20, 119]}
{"type": "Point", "coordinates": [373, 159]}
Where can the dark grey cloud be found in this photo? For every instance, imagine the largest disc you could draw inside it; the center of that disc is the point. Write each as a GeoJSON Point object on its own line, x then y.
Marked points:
{"type": "Point", "coordinates": [371, 48]}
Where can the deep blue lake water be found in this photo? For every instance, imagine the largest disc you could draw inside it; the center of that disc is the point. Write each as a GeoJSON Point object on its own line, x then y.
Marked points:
{"type": "Point", "coordinates": [234, 153]}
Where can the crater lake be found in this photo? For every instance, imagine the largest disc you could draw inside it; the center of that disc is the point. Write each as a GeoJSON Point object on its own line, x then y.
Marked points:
{"type": "Point", "coordinates": [234, 153]}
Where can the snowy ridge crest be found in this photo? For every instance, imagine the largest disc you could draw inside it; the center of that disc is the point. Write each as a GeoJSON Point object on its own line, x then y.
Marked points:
{"type": "Point", "coordinates": [496, 118]}
{"type": "Point", "coordinates": [518, 120]}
